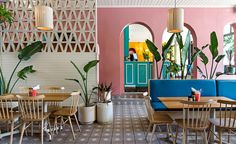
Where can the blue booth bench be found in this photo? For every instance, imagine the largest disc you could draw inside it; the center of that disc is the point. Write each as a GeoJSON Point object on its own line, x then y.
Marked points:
{"type": "Point", "coordinates": [180, 88]}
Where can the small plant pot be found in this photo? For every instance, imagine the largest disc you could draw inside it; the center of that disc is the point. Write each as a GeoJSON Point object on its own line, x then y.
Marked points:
{"type": "Point", "coordinates": [87, 115]}
{"type": "Point", "coordinates": [105, 113]}
{"type": "Point", "coordinates": [230, 70]}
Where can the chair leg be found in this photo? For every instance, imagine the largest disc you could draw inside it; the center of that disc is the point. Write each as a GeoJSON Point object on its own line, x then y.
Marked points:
{"type": "Point", "coordinates": [205, 137]}
{"type": "Point", "coordinates": [184, 136]}
{"type": "Point", "coordinates": [176, 135]}
{"type": "Point", "coordinates": [220, 136]}
{"type": "Point", "coordinates": [62, 122]}
{"type": "Point", "coordinates": [71, 126]}
{"type": "Point", "coordinates": [77, 122]}
{"type": "Point", "coordinates": [22, 133]}
{"type": "Point", "coordinates": [49, 125]}
{"type": "Point", "coordinates": [149, 127]}
{"type": "Point", "coordinates": [153, 131]}
{"type": "Point", "coordinates": [209, 131]}
{"type": "Point", "coordinates": [12, 128]}
{"type": "Point", "coordinates": [55, 125]}
{"type": "Point", "coordinates": [32, 128]}
{"type": "Point", "coordinates": [196, 137]}
{"type": "Point", "coordinates": [42, 124]}
{"type": "Point", "coordinates": [229, 132]}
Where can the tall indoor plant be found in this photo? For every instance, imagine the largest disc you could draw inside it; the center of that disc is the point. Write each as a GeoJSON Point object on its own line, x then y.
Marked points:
{"type": "Point", "coordinates": [87, 112]}
{"type": "Point", "coordinates": [215, 57]}
{"type": "Point", "coordinates": [24, 55]}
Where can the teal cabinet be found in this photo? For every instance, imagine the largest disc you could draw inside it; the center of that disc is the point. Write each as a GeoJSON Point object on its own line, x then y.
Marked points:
{"type": "Point", "coordinates": [137, 74]}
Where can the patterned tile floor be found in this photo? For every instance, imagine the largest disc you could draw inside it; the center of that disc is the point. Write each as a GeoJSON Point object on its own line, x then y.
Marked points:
{"type": "Point", "coordinates": [129, 126]}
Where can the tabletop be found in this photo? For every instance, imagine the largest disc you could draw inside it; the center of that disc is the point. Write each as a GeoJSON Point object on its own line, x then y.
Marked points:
{"type": "Point", "coordinates": [49, 96]}
{"type": "Point", "coordinates": [174, 102]}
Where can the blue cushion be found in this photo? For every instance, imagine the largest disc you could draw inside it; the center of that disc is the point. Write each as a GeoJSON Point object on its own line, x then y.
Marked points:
{"type": "Point", "coordinates": [175, 88]}
{"type": "Point", "coordinates": [226, 88]}
{"type": "Point", "coordinates": [158, 106]}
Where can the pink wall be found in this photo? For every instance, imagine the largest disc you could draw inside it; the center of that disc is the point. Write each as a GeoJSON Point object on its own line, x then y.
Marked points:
{"type": "Point", "coordinates": [111, 22]}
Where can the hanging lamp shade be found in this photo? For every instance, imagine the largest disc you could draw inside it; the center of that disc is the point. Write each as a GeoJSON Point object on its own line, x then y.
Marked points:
{"type": "Point", "coordinates": [175, 23]}
{"type": "Point", "coordinates": [43, 17]}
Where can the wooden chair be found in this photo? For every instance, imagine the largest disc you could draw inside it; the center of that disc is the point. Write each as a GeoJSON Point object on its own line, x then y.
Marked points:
{"type": "Point", "coordinates": [226, 119]}
{"type": "Point", "coordinates": [156, 119]}
{"type": "Point", "coordinates": [32, 110]}
{"type": "Point", "coordinates": [53, 105]}
{"type": "Point", "coordinates": [195, 118]}
{"type": "Point", "coordinates": [68, 112]}
{"type": "Point", "coordinates": [7, 114]}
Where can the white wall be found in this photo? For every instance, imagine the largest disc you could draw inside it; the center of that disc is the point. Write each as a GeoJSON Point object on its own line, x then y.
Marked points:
{"type": "Point", "coordinates": [139, 33]}
{"type": "Point", "coordinates": [52, 69]}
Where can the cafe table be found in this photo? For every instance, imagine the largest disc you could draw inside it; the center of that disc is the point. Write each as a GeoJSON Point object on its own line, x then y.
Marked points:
{"type": "Point", "coordinates": [173, 104]}
{"type": "Point", "coordinates": [49, 97]}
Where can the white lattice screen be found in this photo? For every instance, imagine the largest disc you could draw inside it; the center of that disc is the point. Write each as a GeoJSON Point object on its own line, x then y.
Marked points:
{"type": "Point", "coordinates": [73, 38]}
{"type": "Point", "coordinates": [74, 26]}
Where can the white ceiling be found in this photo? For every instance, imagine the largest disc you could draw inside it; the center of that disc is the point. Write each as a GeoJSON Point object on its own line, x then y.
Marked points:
{"type": "Point", "coordinates": [166, 3]}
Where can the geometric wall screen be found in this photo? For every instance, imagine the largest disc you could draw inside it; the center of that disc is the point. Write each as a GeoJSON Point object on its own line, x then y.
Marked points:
{"type": "Point", "coordinates": [74, 26]}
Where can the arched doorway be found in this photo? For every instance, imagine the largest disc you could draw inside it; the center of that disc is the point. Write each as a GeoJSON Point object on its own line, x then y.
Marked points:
{"type": "Point", "coordinates": [171, 68]}
{"type": "Point", "coordinates": [229, 50]}
{"type": "Point", "coordinates": [138, 60]}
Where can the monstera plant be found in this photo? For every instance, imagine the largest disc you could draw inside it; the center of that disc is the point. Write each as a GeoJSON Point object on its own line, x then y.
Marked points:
{"type": "Point", "coordinates": [215, 57]}
{"type": "Point", "coordinates": [24, 55]}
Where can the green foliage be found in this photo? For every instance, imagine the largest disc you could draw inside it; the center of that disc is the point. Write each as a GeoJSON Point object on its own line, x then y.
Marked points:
{"type": "Point", "coordinates": [5, 16]}
{"type": "Point", "coordinates": [173, 68]}
{"type": "Point", "coordinates": [145, 56]}
{"type": "Point", "coordinates": [84, 83]}
{"type": "Point", "coordinates": [24, 55]}
{"type": "Point", "coordinates": [215, 57]}
{"type": "Point", "coordinates": [154, 50]}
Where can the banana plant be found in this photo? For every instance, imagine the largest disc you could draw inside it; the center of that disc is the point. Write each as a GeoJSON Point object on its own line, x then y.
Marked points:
{"type": "Point", "coordinates": [215, 57]}
{"type": "Point", "coordinates": [157, 56]}
{"type": "Point", "coordinates": [24, 55]}
{"type": "Point", "coordinates": [86, 97]}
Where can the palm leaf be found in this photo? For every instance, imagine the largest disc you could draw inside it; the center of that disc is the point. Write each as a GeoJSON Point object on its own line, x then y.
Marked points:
{"type": "Point", "coordinates": [90, 65]}
{"type": "Point", "coordinates": [214, 45]}
{"type": "Point", "coordinates": [153, 49]}
{"type": "Point", "coordinates": [167, 46]}
{"type": "Point", "coordinates": [81, 74]}
{"type": "Point", "coordinates": [28, 51]}
{"type": "Point", "coordinates": [22, 74]}
{"type": "Point", "coordinates": [185, 48]}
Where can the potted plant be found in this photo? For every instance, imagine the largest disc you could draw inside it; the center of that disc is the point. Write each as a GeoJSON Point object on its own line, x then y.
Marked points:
{"type": "Point", "coordinates": [87, 113]}
{"type": "Point", "coordinates": [104, 105]}
{"type": "Point", "coordinates": [229, 69]}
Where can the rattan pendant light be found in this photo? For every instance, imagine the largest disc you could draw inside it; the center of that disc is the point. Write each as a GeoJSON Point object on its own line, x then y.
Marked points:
{"type": "Point", "coordinates": [43, 17]}
{"type": "Point", "coordinates": [175, 23]}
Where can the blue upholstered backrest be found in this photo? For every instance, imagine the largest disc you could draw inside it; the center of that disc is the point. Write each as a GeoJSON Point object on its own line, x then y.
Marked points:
{"type": "Point", "coordinates": [171, 88]}
{"type": "Point", "coordinates": [226, 88]}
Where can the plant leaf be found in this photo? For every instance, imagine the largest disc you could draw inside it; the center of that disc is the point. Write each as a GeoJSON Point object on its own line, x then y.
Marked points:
{"type": "Point", "coordinates": [218, 74]}
{"type": "Point", "coordinates": [90, 65]}
{"type": "Point", "coordinates": [219, 58]}
{"type": "Point", "coordinates": [22, 74]}
{"type": "Point", "coordinates": [179, 40]}
{"type": "Point", "coordinates": [214, 45]}
{"type": "Point", "coordinates": [153, 49]}
{"type": "Point", "coordinates": [167, 46]}
{"type": "Point", "coordinates": [81, 74]}
{"type": "Point", "coordinates": [204, 58]}
{"type": "Point", "coordinates": [201, 72]}
{"type": "Point", "coordinates": [28, 51]}
{"type": "Point", "coordinates": [205, 46]}
{"type": "Point", "coordinates": [186, 48]}
{"type": "Point", "coordinates": [195, 54]}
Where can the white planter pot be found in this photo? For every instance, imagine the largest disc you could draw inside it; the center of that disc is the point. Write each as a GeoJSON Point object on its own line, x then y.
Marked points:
{"type": "Point", "coordinates": [107, 96]}
{"type": "Point", "coordinates": [87, 115]}
{"type": "Point", "coordinates": [105, 113]}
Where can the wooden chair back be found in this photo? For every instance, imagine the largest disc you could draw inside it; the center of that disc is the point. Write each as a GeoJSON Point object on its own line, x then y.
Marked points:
{"type": "Point", "coordinates": [31, 108]}
{"type": "Point", "coordinates": [74, 101]}
{"type": "Point", "coordinates": [227, 114]}
{"type": "Point", "coordinates": [53, 105]}
{"type": "Point", "coordinates": [6, 107]}
{"type": "Point", "coordinates": [196, 114]}
{"type": "Point", "coordinates": [149, 108]}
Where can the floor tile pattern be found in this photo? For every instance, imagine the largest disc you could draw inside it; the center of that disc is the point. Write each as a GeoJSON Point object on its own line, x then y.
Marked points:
{"type": "Point", "coordinates": [129, 126]}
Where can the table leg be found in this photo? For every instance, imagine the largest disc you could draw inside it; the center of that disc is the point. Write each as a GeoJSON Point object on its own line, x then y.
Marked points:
{"type": "Point", "coordinates": [212, 115]}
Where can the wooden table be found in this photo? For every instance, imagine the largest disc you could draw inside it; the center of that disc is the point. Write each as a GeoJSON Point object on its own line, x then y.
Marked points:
{"type": "Point", "coordinates": [173, 103]}
{"type": "Point", "coordinates": [58, 97]}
